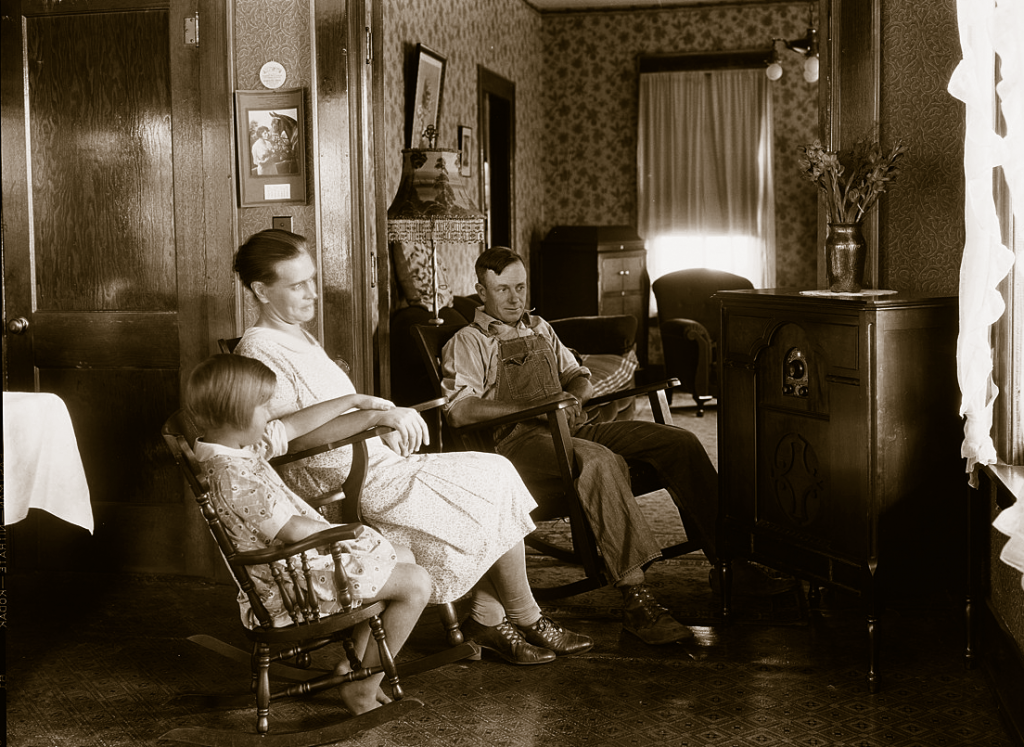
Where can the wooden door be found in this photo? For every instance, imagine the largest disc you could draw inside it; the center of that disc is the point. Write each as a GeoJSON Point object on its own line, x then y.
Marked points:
{"type": "Point", "coordinates": [103, 262]}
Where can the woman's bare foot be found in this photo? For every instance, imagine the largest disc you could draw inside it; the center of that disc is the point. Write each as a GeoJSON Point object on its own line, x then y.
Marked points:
{"type": "Point", "coordinates": [382, 697]}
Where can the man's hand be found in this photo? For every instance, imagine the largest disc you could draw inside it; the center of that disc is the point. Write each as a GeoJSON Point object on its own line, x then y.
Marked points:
{"type": "Point", "coordinates": [575, 416]}
{"type": "Point", "coordinates": [409, 430]}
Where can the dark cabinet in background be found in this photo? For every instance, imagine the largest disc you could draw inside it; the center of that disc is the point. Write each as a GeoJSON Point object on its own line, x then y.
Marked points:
{"type": "Point", "coordinates": [595, 271]}
{"type": "Point", "coordinates": [839, 442]}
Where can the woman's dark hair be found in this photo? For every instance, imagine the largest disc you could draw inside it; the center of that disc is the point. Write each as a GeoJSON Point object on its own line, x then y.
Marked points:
{"type": "Point", "coordinates": [497, 258]}
{"type": "Point", "coordinates": [257, 259]}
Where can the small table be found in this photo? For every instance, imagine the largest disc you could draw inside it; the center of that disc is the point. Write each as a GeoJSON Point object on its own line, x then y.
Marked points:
{"type": "Point", "coordinates": [42, 465]}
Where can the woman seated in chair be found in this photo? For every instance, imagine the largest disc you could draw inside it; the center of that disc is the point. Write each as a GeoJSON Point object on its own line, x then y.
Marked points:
{"type": "Point", "coordinates": [228, 397]}
{"type": "Point", "coordinates": [464, 515]}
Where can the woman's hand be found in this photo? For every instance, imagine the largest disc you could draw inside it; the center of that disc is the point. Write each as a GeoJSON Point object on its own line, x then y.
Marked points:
{"type": "Point", "coordinates": [369, 402]}
{"type": "Point", "coordinates": [410, 430]}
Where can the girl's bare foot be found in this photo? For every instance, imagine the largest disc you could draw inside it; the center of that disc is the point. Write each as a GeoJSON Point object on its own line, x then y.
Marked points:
{"type": "Point", "coordinates": [383, 697]}
{"type": "Point", "coordinates": [360, 697]}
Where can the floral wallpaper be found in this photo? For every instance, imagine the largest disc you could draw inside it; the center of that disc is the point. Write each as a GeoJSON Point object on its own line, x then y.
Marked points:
{"type": "Point", "coordinates": [266, 30]}
{"type": "Point", "coordinates": [576, 96]}
{"type": "Point", "coordinates": [576, 92]}
{"type": "Point", "coordinates": [921, 225]}
{"type": "Point", "coordinates": [503, 36]}
{"type": "Point", "coordinates": [590, 100]}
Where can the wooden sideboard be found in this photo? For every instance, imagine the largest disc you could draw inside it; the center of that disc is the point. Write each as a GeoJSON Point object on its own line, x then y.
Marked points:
{"type": "Point", "coordinates": [595, 271]}
{"type": "Point", "coordinates": [839, 443]}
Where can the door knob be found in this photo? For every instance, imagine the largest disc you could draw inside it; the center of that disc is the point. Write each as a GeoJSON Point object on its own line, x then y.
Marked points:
{"type": "Point", "coordinates": [17, 326]}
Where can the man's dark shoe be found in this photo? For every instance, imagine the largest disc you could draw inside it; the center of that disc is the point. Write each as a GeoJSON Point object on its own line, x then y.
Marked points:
{"type": "Point", "coordinates": [648, 620]}
{"type": "Point", "coordinates": [506, 641]}
{"type": "Point", "coordinates": [749, 580]}
{"type": "Point", "coordinates": [546, 633]}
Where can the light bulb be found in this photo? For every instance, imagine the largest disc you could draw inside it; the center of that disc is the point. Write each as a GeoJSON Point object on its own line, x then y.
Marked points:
{"type": "Point", "coordinates": [811, 69]}
{"type": "Point", "coordinates": [774, 71]}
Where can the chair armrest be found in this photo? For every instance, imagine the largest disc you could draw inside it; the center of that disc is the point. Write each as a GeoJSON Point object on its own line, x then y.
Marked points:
{"type": "Point", "coordinates": [517, 417]}
{"type": "Point", "coordinates": [656, 395]}
{"type": "Point", "coordinates": [637, 391]}
{"type": "Point", "coordinates": [685, 328]}
{"type": "Point", "coordinates": [369, 433]}
{"type": "Point", "coordinates": [689, 347]}
{"type": "Point", "coordinates": [339, 533]}
{"type": "Point", "coordinates": [430, 404]}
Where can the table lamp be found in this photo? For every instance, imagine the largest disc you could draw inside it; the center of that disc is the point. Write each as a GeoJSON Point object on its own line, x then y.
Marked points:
{"type": "Point", "coordinates": [431, 207]}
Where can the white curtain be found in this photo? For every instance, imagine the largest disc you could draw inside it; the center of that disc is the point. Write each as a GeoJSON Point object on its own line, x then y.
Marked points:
{"type": "Point", "coordinates": [704, 165]}
{"type": "Point", "coordinates": [987, 28]}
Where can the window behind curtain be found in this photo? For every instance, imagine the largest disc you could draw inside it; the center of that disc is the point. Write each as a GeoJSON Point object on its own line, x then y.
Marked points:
{"type": "Point", "coordinates": [704, 172]}
{"type": "Point", "coordinates": [1008, 331]}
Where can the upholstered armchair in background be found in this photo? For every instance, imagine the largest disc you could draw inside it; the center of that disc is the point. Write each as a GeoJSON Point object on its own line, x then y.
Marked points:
{"type": "Point", "coordinates": [689, 324]}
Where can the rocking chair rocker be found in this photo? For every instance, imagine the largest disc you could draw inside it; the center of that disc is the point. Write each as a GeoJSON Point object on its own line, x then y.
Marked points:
{"type": "Point", "coordinates": [273, 647]}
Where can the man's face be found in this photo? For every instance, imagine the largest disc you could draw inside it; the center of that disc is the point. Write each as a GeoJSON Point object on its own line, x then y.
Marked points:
{"type": "Point", "coordinates": [504, 295]}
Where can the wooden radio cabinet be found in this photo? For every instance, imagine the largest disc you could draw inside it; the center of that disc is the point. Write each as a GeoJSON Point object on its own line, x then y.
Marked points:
{"type": "Point", "coordinates": [839, 442]}
{"type": "Point", "coordinates": [595, 271]}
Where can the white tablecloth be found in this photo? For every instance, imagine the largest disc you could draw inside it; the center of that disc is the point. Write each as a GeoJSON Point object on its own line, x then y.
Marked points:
{"type": "Point", "coordinates": [42, 465]}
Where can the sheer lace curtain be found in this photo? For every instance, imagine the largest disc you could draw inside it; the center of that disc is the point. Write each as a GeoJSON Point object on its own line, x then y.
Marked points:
{"type": "Point", "coordinates": [988, 28]}
{"type": "Point", "coordinates": [704, 181]}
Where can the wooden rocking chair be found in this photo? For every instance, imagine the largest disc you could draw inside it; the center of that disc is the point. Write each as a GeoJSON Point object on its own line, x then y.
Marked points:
{"type": "Point", "coordinates": [273, 647]}
{"type": "Point", "coordinates": [561, 500]}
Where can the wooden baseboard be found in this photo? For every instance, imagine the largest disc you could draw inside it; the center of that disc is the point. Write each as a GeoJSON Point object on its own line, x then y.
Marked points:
{"type": "Point", "coordinates": [1003, 665]}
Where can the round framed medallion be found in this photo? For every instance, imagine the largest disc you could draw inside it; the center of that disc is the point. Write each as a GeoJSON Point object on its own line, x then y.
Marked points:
{"type": "Point", "coordinates": [272, 75]}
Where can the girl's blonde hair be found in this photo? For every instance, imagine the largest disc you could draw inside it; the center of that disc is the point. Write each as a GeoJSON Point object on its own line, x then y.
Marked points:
{"type": "Point", "coordinates": [226, 390]}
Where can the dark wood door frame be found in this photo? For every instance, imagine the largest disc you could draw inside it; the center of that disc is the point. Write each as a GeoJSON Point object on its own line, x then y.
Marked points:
{"type": "Point", "coordinates": [348, 112]}
{"type": "Point", "coordinates": [496, 113]}
{"type": "Point", "coordinates": [849, 99]}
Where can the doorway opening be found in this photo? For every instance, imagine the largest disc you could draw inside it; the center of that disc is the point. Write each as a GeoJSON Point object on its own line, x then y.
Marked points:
{"type": "Point", "coordinates": [496, 99]}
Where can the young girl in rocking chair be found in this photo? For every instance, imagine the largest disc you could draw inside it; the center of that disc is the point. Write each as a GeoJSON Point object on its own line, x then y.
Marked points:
{"type": "Point", "coordinates": [227, 396]}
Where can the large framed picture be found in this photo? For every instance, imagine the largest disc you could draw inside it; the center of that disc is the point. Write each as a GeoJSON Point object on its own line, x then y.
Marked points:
{"type": "Point", "coordinates": [271, 136]}
{"type": "Point", "coordinates": [426, 105]}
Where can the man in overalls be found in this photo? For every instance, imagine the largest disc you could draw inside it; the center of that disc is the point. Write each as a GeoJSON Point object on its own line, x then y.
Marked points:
{"type": "Point", "coordinates": [507, 358]}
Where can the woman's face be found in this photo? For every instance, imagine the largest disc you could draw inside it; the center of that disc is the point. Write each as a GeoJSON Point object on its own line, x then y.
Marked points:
{"type": "Point", "coordinates": [292, 297]}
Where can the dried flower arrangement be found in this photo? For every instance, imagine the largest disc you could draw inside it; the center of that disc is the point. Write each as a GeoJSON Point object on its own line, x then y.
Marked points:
{"type": "Point", "coordinates": [851, 188]}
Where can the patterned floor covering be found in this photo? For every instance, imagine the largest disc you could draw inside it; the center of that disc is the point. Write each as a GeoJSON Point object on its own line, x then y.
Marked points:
{"type": "Point", "coordinates": [96, 661]}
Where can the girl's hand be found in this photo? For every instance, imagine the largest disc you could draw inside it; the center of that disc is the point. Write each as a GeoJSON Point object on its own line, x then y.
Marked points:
{"type": "Point", "coordinates": [410, 430]}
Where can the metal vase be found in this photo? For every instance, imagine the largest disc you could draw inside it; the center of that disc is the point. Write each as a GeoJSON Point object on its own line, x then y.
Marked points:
{"type": "Point", "coordinates": [846, 250]}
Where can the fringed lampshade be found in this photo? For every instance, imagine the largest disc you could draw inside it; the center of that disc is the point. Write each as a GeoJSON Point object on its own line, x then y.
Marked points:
{"type": "Point", "coordinates": [432, 207]}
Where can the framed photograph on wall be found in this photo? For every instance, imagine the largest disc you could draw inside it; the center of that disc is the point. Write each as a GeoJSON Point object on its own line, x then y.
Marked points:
{"type": "Point", "coordinates": [426, 104]}
{"type": "Point", "coordinates": [466, 150]}
{"type": "Point", "coordinates": [271, 136]}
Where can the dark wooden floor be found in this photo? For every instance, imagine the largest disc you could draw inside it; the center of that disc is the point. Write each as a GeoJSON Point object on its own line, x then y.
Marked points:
{"type": "Point", "coordinates": [94, 660]}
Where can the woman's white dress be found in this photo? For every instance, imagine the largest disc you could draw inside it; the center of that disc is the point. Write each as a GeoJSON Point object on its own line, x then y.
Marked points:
{"type": "Point", "coordinates": [457, 512]}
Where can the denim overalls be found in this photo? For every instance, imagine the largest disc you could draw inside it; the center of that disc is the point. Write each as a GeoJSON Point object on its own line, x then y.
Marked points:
{"type": "Point", "coordinates": [527, 371]}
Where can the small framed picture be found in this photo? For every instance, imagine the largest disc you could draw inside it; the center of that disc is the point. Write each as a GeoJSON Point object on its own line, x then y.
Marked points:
{"type": "Point", "coordinates": [426, 106]}
{"type": "Point", "coordinates": [466, 154]}
{"type": "Point", "coordinates": [271, 136]}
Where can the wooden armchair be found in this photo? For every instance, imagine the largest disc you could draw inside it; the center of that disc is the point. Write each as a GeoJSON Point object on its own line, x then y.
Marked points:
{"type": "Point", "coordinates": [554, 502]}
{"type": "Point", "coordinates": [309, 629]}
